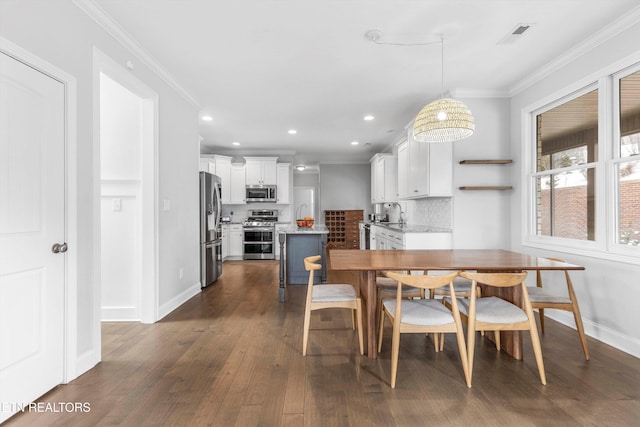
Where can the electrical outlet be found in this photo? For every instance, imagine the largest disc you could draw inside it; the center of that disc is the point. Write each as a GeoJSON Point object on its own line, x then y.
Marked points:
{"type": "Point", "coordinates": [116, 205]}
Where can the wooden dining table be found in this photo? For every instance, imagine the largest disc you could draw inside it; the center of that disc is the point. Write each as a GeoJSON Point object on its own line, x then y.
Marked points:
{"type": "Point", "coordinates": [369, 263]}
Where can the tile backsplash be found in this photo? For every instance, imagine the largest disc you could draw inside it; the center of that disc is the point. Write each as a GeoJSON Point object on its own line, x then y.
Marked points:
{"type": "Point", "coordinates": [435, 212]}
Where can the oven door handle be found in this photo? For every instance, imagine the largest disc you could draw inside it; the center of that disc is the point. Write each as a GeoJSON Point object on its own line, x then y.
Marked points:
{"type": "Point", "coordinates": [259, 229]}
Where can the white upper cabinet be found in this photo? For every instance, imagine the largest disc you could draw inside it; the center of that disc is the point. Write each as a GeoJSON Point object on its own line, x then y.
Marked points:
{"type": "Point", "coordinates": [238, 185]}
{"type": "Point", "coordinates": [283, 178]}
{"type": "Point", "coordinates": [261, 170]}
{"type": "Point", "coordinates": [425, 169]}
{"type": "Point", "coordinates": [403, 170]}
{"type": "Point", "coordinates": [220, 166]}
{"type": "Point", "coordinates": [384, 178]}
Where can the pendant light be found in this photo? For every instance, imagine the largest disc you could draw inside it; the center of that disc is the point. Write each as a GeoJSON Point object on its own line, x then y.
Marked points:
{"type": "Point", "coordinates": [444, 119]}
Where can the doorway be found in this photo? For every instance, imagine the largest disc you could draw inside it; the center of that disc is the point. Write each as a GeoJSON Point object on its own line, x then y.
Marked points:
{"type": "Point", "coordinates": [126, 134]}
{"type": "Point", "coordinates": [305, 202]}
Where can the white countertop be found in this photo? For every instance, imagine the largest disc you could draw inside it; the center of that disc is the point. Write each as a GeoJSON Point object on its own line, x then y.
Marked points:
{"type": "Point", "coordinates": [294, 229]}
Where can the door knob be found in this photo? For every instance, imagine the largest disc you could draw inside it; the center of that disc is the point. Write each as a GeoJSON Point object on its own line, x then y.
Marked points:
{"type": "Point", "coordinates": [59, 248]}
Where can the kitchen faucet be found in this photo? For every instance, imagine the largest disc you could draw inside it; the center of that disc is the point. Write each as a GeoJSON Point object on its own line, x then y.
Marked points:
{"type": "Point", "coordinates": [391, 204]}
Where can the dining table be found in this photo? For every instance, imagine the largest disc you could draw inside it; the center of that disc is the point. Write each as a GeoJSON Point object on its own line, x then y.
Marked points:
{"type": "Point", "coordinates": [370, 263]}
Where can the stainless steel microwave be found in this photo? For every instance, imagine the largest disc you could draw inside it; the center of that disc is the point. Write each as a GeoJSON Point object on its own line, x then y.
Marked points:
{"type": "Point", "coordinates": [261, 193]}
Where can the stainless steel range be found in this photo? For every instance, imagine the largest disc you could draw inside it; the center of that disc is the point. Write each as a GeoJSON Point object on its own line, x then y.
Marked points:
{"type": "Point", "coordinates": [259, 231]}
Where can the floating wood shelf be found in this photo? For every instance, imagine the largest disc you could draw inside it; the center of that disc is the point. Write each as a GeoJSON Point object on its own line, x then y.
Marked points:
{"type": "Point", "coordinates": [485, 162]}
{"type": "Point", "coordinates": [487, 187]}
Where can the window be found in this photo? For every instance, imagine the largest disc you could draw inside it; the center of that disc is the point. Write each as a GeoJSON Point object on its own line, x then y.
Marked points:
{"type": "Point", "coordinates": [566, 147]}
{"type": "Point", "coordinates": [627, 163]}
{"type": "Point", "coordinates": [584, 192]}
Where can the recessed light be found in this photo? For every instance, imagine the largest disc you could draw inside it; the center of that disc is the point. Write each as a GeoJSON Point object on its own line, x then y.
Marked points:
{"type": "Point", "coordinates": [292, 131]}
{"type": "Point", "coordinates": [235, 143]}
{"type": "Point", "coordinates": [369, 118]}
{"type": "Point", "coordinates": [301, 167]}
{"type": "Point", "coordinates": [355, 143]}
{"type": "Point", "coordinates": [207, 118]}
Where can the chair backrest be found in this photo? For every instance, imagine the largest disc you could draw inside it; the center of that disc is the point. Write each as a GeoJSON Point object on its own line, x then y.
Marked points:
{"type": "Point", "coordinates": [566, 275]}
{"type": "Point", "coordinates": [310, 263]}
{"type": "Point", "coordinates": [311, 266]}
{"type": "Point", "coordinates": [500, 280]}
{"type": "Point", "coordinates": [423, 281]}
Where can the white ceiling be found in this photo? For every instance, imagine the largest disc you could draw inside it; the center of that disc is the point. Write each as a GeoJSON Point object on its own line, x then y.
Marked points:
{"type": "Point", "coordinates": [261, 67]}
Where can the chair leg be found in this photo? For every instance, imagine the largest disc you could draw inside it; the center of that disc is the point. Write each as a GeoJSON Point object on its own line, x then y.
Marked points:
{"type": "Point", "coordinates": [496, 337]}
{"type": "Point", "coordinates": [395, 349]}
{"type": "Point", "coordinates": [471, 344]}
{"type": "Point", "coordinates": [436, 341]}
{"type": "Point", "coordinates": [381, 329]}
{"type": "Point", "coordinates": [541, 315]}
{"type": "Point", "coordinates": [537, 348]}
{"type": "Point", "coordinates": [583, 339]}
{"type": "Point", "coordinates": [358, 312]}
{"type": "Point", "coordinates": [462, 349]}
{"type": "Point", "coordinates": [442, 342]}
{"type": "Point", "coordinates": [353, 319]}
{"type": "Point", "coordinates": [305, 333]}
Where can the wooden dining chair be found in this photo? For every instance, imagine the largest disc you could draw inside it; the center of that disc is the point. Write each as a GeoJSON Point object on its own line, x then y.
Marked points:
{"type": "Point", "coordinates": [330, 296]}
{"type": "Point", "coordinates": [541, 298]}
{"type": "Point", "coordinates": [421, 316]}
{"type": "Point", "coordinates": [387, 287]}
{"type": "Point", "coordinates": [495, 314]}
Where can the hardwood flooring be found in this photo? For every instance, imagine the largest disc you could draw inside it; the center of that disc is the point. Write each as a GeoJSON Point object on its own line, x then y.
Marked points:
{"type": "Point", "coordinates": [231, 356]}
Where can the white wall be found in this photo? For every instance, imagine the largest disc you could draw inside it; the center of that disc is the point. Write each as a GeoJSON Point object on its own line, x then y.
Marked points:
{"type": "Point", "coordinates": [345, 187]}
{"type": "Point", "coordinates": [608, 291]}
{"type": "Point", "coordinates": [481, 218]}
{"type": "Point", "coordinates": [63, 35]}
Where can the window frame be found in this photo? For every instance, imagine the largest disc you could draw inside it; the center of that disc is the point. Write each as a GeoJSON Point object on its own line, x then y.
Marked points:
{"type": "Point", "coordinates": [605, 244]}
{"type": "Point", "coordinates": [616, 159]}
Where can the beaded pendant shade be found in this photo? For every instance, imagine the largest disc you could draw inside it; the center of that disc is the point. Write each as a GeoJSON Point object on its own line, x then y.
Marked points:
{"type": "Point", "coordinates": [443, 120]}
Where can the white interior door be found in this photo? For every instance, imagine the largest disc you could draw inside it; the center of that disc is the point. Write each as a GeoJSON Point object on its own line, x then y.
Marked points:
{"type": "Point", "coordinates": [32, 219]}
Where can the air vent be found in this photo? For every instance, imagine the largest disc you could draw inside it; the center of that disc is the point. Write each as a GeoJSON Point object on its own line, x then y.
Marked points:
{"type": "Point", "coordinates": [520, 29]}
{"type": "Point", "coordinates": [515, 34]}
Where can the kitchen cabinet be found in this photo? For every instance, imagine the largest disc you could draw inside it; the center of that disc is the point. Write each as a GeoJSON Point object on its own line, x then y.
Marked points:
{"type": "Point", "coordinates": [235, 240]}
{"type": "Point", "coordinates": [220, 166]}
{"type": "Point", "coordinates": [384, 237]}
{"type": "Point", "coordinates": [403, 172]}
{"type": "Point", "coordinates": [225, 240]}
{"type": "Point", "coordinates": [238, 185]}
{"type": "Point", "coordinates": [207, 165]}
{"type": "Point", "coordinates": [426, 168]}
{"type": "Point", "coordinates": [384, 178]}
{"type": "Point", "coordinates": [261, 170]}
{"type": "Point", "coordinates": [284, 181]}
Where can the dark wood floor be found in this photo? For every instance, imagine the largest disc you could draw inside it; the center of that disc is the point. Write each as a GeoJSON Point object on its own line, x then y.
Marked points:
{"type": "Point", "coordinates": [231, 356]}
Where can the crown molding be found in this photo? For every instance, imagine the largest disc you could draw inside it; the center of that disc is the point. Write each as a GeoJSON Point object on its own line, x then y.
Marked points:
{"type": "Point", "coordinates": [616, 27]}
{"type": "Point", "coordinates": [106, 22]}
{"type": "Point", "coordinates": [479, 93]}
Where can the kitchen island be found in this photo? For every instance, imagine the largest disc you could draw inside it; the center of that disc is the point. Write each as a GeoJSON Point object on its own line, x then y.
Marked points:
{"type": "Point", "coordinates": [297, 243]}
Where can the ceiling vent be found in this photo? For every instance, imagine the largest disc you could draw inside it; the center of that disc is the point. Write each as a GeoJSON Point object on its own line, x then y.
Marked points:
{"type": "Point", "coordinates": [515, 34]}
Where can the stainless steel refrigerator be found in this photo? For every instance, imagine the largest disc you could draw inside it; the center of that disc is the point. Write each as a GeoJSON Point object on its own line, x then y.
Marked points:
{"type": "Point", "coordinates": [210, 232]}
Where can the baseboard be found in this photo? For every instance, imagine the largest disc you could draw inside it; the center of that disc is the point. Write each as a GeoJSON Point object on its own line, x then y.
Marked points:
{"type": "Point", "coordinates": [85, 362]}
{"type": "Point", "coordinates": [602, 333]}
{"type": "Point", "coordinates": [178, 300]}
{"type": "Point", "coordinates": [120, 314]}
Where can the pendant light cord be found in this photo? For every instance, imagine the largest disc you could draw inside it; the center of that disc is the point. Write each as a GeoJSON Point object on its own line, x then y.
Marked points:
{"type": "Point", "coordinates": [442, 66]}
